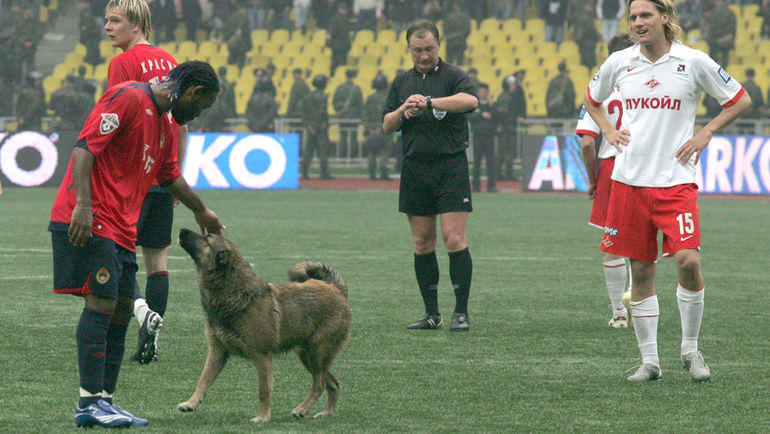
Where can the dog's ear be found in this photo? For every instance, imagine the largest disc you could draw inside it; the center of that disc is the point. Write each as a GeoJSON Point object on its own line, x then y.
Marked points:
{"type": "Point", "coordinates": [223, 259]}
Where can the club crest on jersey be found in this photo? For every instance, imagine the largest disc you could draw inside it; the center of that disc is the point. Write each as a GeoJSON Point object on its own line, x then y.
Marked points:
{"type": "Point", "coordinates": [652, 84]}
{"type": "Point", "coordinates": [109, 123]}
{"type": "Point", "coordinates": [724, 75]}
{"type": "Point", "coordinates": [439, 114]}
{"type": "Point", "coordinates": [102, 276]}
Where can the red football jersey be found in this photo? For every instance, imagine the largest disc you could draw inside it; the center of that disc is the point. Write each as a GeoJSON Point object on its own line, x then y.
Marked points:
{"type": "Point", "coordinates": [128, 137]}
{"type": "Point", "coordinates": [145, 63]}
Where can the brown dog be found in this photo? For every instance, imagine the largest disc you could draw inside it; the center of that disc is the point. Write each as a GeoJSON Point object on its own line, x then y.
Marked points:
{"type": "Point", "coordinates": [249, 317]}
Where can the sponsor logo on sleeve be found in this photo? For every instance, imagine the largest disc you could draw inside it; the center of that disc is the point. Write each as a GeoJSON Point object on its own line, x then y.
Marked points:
{"type": "Point", "coordinates": [724, 75]}
{"type": "Point", "coordinates": [109, 123]}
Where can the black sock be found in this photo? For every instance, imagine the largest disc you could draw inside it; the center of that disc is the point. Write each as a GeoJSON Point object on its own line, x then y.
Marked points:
{"type": "Point", "coordinates": [91, 341]}
{"type": "Point", "coordinates": [116, 346]}
{"type": "Point", "coordinates": [460, 271]}
{"type": "Point", "coordinates": [156, 292]}
{"type": "Point", "coordinates": [426, 270]}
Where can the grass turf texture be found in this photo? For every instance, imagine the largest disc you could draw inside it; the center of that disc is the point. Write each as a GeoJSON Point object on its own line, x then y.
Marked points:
{"type": "Point", "coordinates": [539, 356]}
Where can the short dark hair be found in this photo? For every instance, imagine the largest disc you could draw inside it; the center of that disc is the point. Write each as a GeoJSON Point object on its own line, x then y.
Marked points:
{"type": "Point", "coordinates": [619, 42]}
{"type": "Point", "coordinates": [483, 86]}
{"type": "Point", "coordinates": [750, 72]}
{"type": "Point", "coordinates": [422, 26]}
{"type": "Point", "coordinates": [194, 73]}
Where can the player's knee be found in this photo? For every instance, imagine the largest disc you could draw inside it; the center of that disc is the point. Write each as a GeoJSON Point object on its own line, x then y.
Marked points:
{"type": "Point", "coordinates": [688, 262]}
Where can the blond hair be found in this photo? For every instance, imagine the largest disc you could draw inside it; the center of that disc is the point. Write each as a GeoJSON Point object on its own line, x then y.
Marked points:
{"type": "Point", "coordinates": [670, 29]}
{"type": "Point", "coordinates": [137, 12]}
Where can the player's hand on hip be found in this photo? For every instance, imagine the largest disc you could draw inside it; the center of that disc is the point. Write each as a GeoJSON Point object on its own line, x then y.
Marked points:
{"type": "Point", "coordinates": [618, 138]}
{"type": "Point", "coordinates": [209, 222]}
{"type": "Point", "coordinates": [696, 145]}
{"type": "Point", "coordinates": [81, 223]}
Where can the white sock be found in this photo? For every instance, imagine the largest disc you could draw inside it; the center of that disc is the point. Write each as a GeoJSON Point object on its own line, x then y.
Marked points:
{"type": "Point", "coordinates": [106, 395]}
{"type": "Point", "coordinates": [86, 394]}
{"type": "Point", "coordinates": [691, 312]}
{"type": "Point", "coordinates": [140, 310]}
{"type": "Point", "coordinates": [614, 279]}
{"type": "Point", "coordinates": [630, 277]}
{"type": "Point", "coordinates": [645, 315]}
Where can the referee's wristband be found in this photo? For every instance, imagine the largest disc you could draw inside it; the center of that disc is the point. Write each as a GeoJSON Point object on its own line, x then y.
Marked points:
{"type": "Point", "coordinates": [429, 103]}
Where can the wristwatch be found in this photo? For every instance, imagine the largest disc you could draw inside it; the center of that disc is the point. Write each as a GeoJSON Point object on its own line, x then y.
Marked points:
{"type": "Point", "coordinates": [428, 103]}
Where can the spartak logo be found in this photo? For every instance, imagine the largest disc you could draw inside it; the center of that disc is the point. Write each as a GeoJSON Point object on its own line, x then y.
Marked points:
{"type": "Point", "coordinates": [652, 84]}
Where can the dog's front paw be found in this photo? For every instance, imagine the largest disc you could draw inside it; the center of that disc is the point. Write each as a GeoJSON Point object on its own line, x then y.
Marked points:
{"type": "Point", "coordinates": [261, 419]}
{"type": "Point", "coordinates": [299, 412]}
{"type": "Point", "coordinates": [188, 406]}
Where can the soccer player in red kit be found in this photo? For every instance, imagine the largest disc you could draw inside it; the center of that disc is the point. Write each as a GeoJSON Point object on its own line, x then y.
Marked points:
{"type": "Point", "coordinates": [660, 82]}
{"type": "Point", "coordinates": [128, 25]}
{"type": "Point", "coordinates": [123, 149]}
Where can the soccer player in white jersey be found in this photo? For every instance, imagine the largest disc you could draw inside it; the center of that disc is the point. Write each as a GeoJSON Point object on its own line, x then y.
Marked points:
{"type": "Point", "coordinates": [600, 185]}
{"type": "Point", "coordinates": [654, 188]}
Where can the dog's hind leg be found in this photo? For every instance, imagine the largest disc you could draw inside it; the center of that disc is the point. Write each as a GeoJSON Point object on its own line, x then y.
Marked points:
{"type": "Point", "coordinates": [333, 390]}
{"type": "Point", "coordinates": [264, 363]}
{"type": "Point", "coordinates": [308, 359]}
{"type": "Point", "coordinates": [215, 361]}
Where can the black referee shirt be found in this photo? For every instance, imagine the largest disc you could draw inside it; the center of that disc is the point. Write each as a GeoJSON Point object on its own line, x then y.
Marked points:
{"type": "Point", "coordinates": [435, 133]}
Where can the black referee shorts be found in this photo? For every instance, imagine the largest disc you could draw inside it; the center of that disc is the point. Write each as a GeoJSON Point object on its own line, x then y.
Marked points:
{"type": "Point", "coordinates": [153, 230]}
{"type": "Point", "coordinates": [437, 186]}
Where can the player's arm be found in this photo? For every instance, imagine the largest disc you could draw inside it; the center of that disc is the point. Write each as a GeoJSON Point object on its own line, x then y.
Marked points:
{"type": "Point", "coordinates": [698, 143]}
{"type": "Point", "coordinates": [588, 143]}
{"type": "Point", "coordinates": [460, 102]}
{"type": "Point", "coordinates": [599, 115]}
{"type": "Point", "coordinates": [182, 145]}
{"type": "Point", "coordinates": [392, 121]}
{"type": "Point", "coordinates": [206, 218]}
{"type": "Point", "coordinates": [82, 219]}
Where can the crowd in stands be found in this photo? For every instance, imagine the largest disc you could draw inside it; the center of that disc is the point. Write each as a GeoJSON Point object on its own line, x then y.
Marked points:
{"type": "Point", "coordinates": [20, 34]}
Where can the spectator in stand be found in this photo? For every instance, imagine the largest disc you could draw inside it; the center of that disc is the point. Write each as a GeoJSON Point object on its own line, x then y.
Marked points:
{"type": "Point", "coordinates": [510, 109]}
{"type": "Point", "coordinates": [28, 35]}
{"type": "Point", "coordinates": [191, 15]}
{"type": "Point", "coordinates": [585, 34]}
{"type": "Point", "coordinates": [378, 144]}
{"type": "Point", "coordinates": [90, 34]}
{"type": "Point", "coordinates": [301, 11]}
{"type": "Point", "coordinates": [457, 27]}
{"type": "Point", "coordinates": [10, 69]}
{"type": "Point", "coordinates": [70, 105]}
{"type": "Point", "coordinates": [262, 109]}
{"type": "Point", "coordinates": [690, 14]}
{"type": "Point", "coordinates": [279, 13]}
{"type": "Point", "coordinates": [323, 12]}
{"type": "Point", "coordinates": [237, 35]}
{"type": "Point", "coordinates": [298, 91]}
{"type": "Point", "coordinates": [560, 98]}
{"type": "Point", "coordinates": [610, 12]}
{"type": "Point", "coordinates": [764, 12]}
{"type": "Point", "coordinates": [257, 12]}
{"type": "Point", "coordinates": [214, 119]}
{"type": "Point", "coordinates": [402, 13]}
{"type": "Point", "coordinates": [264, 72]}
{"type": "Point", "coordinates": [367, 12]}
{"type": "Point", "coordinates": [163, 13]}
{"type": "Point", "coordinates": [221, 11]}
{"type": "Point", "coordinates": [432, 11]}
{"type": "Point", "coordinates": [719, 31]}
{"type": "Point", "coordinates": [483, 125]}
{"type": "Point", "coordinates": [315, 118]}
{"type": "Point", "coordinates": [554, 12]}
{"type": "Point", "coordinates": [339, 37]}
{"type": "Point", "coordinates": [348, 103]}
{"type": "Point", "coordinates": [30, 105]}
{"type": "Point", "coordinates": [757, 100]}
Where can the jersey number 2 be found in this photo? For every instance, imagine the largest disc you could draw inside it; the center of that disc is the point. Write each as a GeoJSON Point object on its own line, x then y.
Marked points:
{"type": "Point", "coordinates": [616, 105]}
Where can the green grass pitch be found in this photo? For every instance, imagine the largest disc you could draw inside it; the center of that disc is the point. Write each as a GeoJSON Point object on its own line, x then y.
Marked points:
{"type": "Point", "coordinates": [539, 356]}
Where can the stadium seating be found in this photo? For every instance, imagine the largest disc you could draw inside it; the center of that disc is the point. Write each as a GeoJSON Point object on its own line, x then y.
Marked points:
{"type": "Point", "coordinates": [496, 48]}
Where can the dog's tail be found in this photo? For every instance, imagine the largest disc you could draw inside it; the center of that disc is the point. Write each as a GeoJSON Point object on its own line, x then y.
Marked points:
{"type": "Point", "coordinates": [305, 270]}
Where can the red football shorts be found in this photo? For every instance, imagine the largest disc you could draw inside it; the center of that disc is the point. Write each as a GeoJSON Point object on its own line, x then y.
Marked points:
{"type": "Point", "coordinates": [602, 196]}
{"type": "Point", "coordinates": [636, 214]}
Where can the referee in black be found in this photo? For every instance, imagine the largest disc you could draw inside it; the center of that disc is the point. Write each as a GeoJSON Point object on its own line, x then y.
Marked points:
{"type": "Point", "coordinates": [428, 104]}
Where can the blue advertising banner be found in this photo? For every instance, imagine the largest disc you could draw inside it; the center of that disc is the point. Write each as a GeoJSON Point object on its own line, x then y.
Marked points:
{"type": "Point", "coordinates": [730, 164]}
{"type": "Point", "coordinates": [229, 161]}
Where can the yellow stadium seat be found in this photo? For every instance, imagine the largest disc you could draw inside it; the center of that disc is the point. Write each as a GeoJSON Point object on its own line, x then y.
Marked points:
{"type": "Point", "coordinates": [206, 49]}
{"type": "Point", "coordinates": [106, 49]}
{"type": "Point", "coordinates": [279, 36]}
{"type": "Point", "coordinates": [386, 37]}
{"type": "Point", "coordinates": [490, 26]}
{"type": "Point", "coordinates": [364, 37]}
{"type": "Point", "coordinates": [535, 27]}
{"type": "Point", "coordinates": [100, 72]}
{"type": "Point", "coordinates": [187, 49]}
{"type": "Point", "coordinates": [299, 37]}
{"type": "Point", "coordinates": [259, 37]}
{"type": "Point", "coordinates": [318, 37]}
{"type": "Point", "coordinates": [512, 26]}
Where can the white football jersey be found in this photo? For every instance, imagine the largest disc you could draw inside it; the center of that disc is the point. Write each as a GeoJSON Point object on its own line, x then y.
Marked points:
{"type": "Point", "coordinates": [660, 101]}
{"type": "Point", "coordinates": [613, 106]}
